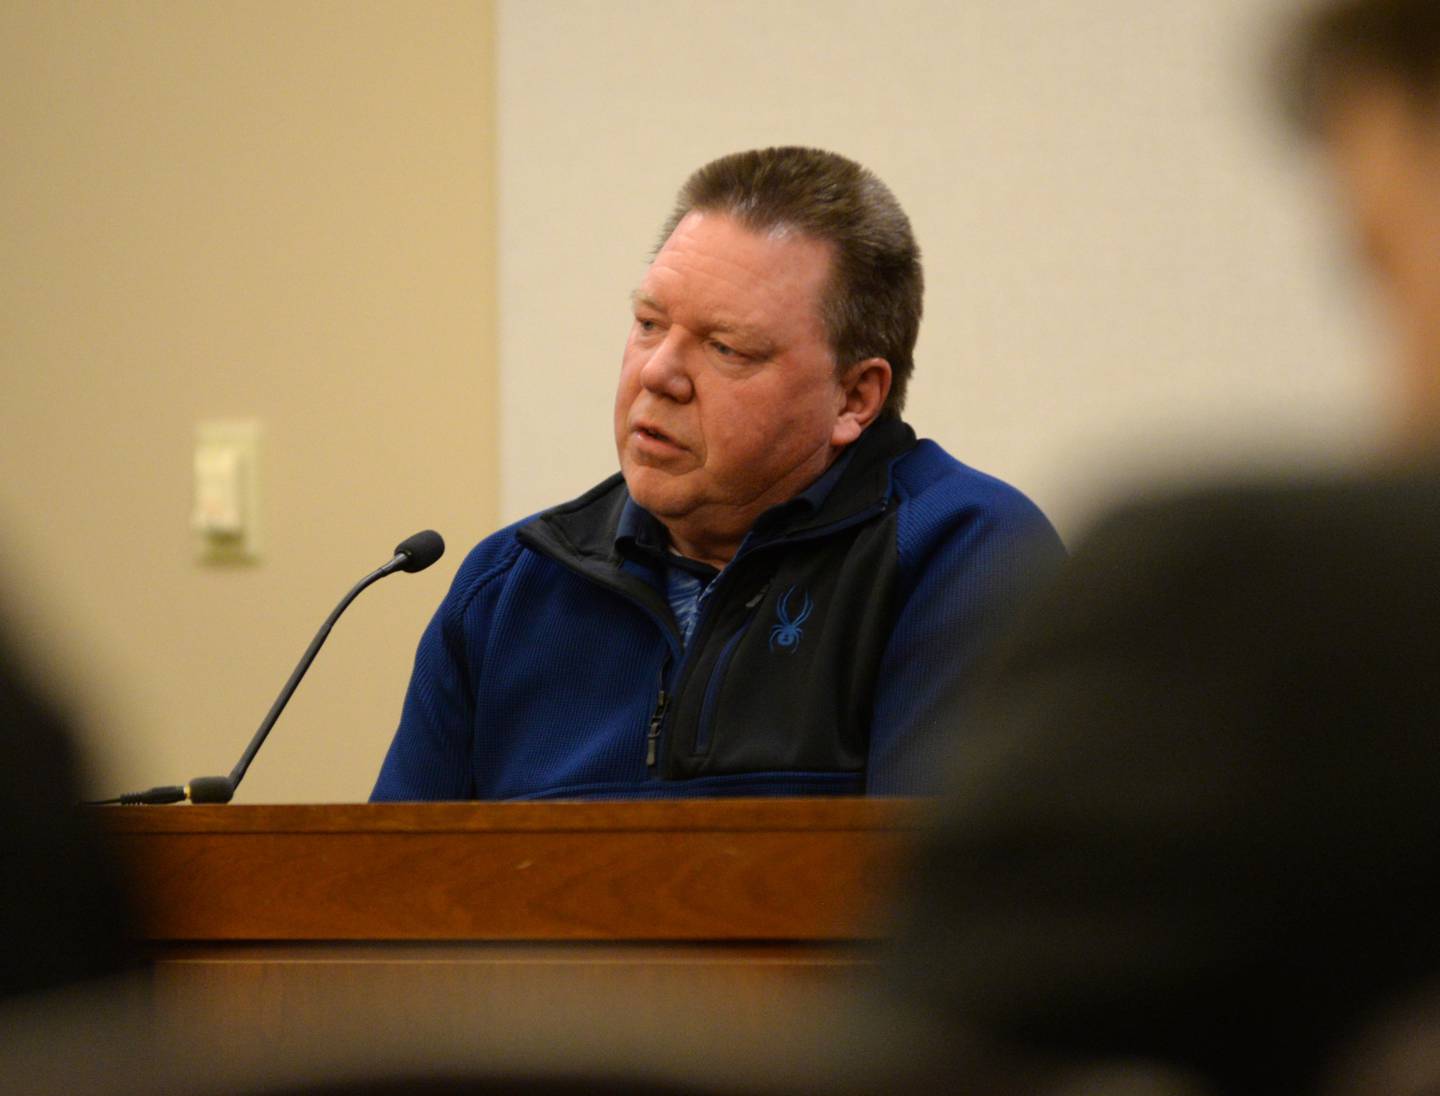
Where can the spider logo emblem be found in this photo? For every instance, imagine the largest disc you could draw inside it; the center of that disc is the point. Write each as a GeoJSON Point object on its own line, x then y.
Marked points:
{"type": "Point", "coordinates": [786, 634]}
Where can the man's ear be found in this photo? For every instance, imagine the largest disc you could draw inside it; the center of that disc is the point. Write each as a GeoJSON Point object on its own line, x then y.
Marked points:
{"type": "Point", "coordinates": [863, 388]}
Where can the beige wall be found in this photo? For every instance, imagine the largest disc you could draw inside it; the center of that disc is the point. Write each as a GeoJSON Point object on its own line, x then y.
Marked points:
{"type": "Point", "coordinates": [1130, 270]}
{"type": "Point", "coordinates": [273, 210]}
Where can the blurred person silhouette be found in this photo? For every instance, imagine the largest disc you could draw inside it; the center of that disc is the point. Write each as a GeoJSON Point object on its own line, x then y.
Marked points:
{"type": "Point", "coordinates": [64, 916]}
{"type": "Point", "coordinates": [1201, 824]}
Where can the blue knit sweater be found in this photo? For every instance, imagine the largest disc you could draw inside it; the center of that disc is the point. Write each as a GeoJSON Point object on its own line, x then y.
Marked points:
{"type": "Point", "coordinates": [832, 656]}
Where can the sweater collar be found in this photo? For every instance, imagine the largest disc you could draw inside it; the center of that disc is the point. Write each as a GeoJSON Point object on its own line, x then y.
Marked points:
{"type": "Point", "coordinates": [606, 523]}
{"type": "Point", "coordinates": [641, 535]}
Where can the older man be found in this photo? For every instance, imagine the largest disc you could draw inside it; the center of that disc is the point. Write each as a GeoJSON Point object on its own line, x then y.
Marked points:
{"type": "Point", "coordinates": [782, 587]}
{"type": "Point", "coordinates": [1197, 819]}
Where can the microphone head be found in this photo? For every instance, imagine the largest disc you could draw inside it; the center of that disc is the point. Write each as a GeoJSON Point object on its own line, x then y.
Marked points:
{"type": "Point", "coordinates": [420, 550]}
{"type": "Point", "coordinates": [210, 789]}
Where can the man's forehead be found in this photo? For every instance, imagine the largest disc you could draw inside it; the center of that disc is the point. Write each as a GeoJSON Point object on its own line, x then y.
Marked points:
{"type": "Point", "coordinates": [713, 260]}
{"type": "Point", "coordinates": [721, 231]}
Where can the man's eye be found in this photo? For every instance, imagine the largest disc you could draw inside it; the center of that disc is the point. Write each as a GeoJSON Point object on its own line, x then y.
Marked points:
{"type": "Point", "coordinates": [646, 326]}
{"type": "Point", "coordinates": [725, 351]}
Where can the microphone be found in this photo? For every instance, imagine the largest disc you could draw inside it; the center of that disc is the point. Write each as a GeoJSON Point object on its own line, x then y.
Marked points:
{"type": "Point", "coordinates": [417, 552]}
{"type": "Point", "coordinates": [414, 553]}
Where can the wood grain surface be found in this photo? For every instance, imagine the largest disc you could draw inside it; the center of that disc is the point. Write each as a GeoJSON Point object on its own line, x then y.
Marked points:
{"type": "Point", "coordinates": [684, 870]}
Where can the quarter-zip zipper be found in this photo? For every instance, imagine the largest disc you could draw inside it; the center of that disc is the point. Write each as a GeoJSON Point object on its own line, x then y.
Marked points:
{"type": "Point", "coordinates": [657, 717]}
{"type": "Point", "coordinates": [717, 672]}
{"type": "Point", "coordinates": [652, 736]}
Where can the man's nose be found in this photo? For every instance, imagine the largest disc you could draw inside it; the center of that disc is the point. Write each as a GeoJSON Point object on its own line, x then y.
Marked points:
{"type": "Point", "coordinates": [667, 372]}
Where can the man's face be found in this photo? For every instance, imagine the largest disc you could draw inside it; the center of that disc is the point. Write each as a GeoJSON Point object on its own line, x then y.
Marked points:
{"type": "Point", "coordinates": [728, 400]}
{"type": "Point", "coordinates": [1388, 155]}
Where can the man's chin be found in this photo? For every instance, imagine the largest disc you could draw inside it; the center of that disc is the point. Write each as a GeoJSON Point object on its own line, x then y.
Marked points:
{"type": "Point", "coordinates": [664, 507]}
{"type": "Point", "coordinates": [659, 493]}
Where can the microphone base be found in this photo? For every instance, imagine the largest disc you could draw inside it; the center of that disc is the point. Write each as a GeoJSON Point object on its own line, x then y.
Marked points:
{"type": "Point", "coordinates": [210, 789]}
{"type": "Point", "coordinates": [203, 789]}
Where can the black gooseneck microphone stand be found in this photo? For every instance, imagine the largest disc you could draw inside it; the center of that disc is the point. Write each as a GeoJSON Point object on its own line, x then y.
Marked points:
{"type": "Point", "coordinates": [412, 554]}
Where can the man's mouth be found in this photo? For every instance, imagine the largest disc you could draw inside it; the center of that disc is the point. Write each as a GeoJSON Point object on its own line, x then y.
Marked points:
{"type": "Point", "coordinates": [645, 430]}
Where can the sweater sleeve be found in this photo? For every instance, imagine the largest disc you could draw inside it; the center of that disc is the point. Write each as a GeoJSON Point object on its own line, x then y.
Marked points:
{"type": "Point", "coordinates": [431, 755]}
{"type": "Point", "coordinates": [971, 549]}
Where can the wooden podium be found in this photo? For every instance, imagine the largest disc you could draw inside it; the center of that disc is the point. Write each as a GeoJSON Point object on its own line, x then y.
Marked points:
{"type": "Point", "coordinates": [516, 906]}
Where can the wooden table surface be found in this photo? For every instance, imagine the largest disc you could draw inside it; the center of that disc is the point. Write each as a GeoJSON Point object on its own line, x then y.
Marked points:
{"type": "Point", "coordinates": [675, 870]}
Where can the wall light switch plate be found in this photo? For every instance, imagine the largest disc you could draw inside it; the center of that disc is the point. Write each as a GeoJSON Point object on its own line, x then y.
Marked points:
{"type": "Point", "coordinates": [226, 515]}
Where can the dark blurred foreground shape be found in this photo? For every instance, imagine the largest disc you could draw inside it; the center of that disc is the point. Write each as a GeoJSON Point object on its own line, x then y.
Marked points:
{"type": "Point", "coordinates": [1201, 824]}
{"type": "Point", "coordinates": [63, 912]}
{"type": "Point", "coordinates": [668, 1039]}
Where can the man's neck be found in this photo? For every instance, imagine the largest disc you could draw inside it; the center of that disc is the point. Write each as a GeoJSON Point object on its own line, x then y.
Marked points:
{"type": "Point", "coordinates": [715, 553]}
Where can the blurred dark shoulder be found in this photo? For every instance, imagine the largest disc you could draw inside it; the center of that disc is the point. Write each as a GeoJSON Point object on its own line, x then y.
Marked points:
{"type": "Point", "coordinates": [1336, 539]}
{"type": "Point", "coordinates": [1361, 504]}
{"type": "Point", "coordinates": [1193, 819]}
{"type": "Point", "coordinates": [63, 909]}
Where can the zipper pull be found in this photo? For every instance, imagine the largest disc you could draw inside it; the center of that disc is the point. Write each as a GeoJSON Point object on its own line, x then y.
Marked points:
{"type": "Point", "coordinates": [652, 736]}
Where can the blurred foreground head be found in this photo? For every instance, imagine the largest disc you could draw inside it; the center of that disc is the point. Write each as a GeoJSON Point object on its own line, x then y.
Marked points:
{"type": "Point", "coordinates": [1364, 77]}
